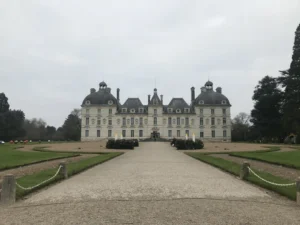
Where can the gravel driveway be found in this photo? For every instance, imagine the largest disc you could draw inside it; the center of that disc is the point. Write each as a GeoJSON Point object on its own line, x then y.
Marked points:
{"type": "Point", "coordinates": [153, 184]}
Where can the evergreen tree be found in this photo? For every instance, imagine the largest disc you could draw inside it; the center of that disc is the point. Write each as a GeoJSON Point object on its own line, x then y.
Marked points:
{"type": "Point", "coordinates": [290, 80]}
{"type": "Point", "coordinates": [267, 113]}
{"type": "Point", "coordinates": [4, 106]}
{"type": "Point", "coordinates": [72, 127]}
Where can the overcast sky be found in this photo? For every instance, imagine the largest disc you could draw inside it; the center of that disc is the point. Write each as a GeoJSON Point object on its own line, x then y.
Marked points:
{"type": "Point", "coordinates": [53, 52]}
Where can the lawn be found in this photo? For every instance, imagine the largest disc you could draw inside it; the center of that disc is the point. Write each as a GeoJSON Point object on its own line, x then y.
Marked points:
{"type": "Point", "coordinates": [11, 157]}
{"type": "Point", "coordinates": [234, 168]}
{"type": "Point", "coordinates": [73, 168]}
{"type": "Point", "coordinates": [288, 159]}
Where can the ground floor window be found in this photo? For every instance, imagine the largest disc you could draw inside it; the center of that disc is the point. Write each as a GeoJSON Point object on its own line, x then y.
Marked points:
{"type": "Point", "coordinates": [87, 133]}
{"type": "Point", "coordinates": [170, 133]}
{"type": "Point", "coordinates": [98, 133]}
{"type": "Point", "coordinates": [213, 133]}
{"type": "Point", "coordinates": [178, 133]}
{"type": "Point", "coordinates": [132, 133]}
{"type": "Point", "coordinates": [141, 133]}
{"type": "Point", "coordinates": [201, 134]}
{"type": "Point", "coordinates": [124, 133]}
{"type": "Point", "coordinates": [187, 132]}
{"type": "Point", "coordinates": [224, 133]}
{"type": "Point", "coordinates": [109, 133]}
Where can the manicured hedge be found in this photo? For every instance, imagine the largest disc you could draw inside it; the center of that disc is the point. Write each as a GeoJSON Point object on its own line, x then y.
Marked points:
{"type": "Point", "coordinates": [187, 144]}
{"type": "Point", "coordinates": [122, 144]}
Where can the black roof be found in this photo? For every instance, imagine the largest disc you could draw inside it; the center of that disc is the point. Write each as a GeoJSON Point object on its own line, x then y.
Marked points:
{"type": "Point", "coordinates": [133, 103]}
{"type": "Point", "coordinates": [177, 103]}
{"type": "Point", "coordinates": [210, 97]}
{"type": "Point", "coordinates": [100, 97]}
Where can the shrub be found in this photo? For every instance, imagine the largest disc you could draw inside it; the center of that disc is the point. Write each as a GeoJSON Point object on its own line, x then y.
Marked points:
{"type": "Point", "coordinates": [119, 144]}
{"type": "Point", "coordinates": [188, 144]}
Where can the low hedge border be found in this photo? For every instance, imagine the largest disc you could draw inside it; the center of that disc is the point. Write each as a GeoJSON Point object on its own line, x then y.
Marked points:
{"type": "Point", "coordinates": [234, 168]}
{"type": "Point", "coordinates": [73, 168]}
{"type": "Point", "coordinates": [44, 149]}
{"type": "Point", "coordinates": [271, 149]}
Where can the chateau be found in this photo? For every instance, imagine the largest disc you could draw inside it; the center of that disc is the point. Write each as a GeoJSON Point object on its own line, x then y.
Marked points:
{"type": "Point", "coordinates": [207, 116]}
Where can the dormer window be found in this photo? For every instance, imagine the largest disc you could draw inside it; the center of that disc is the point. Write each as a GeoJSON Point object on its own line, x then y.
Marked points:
{"type": "Point", "coordinates": [132, 110]}
{"type": "Point", "coordinates": [110, 102]}
{"type": "Point", "coordinates": [124, 110]}
{"type": "Point", "coordinates": [223, 102]}
{"type": "Point", "coordinates": [141, 110]}
{"type": "Point", "coordinates": [186, 110]}
{"type": "Point", "coordinates": [87, 102]}
{"type": "Point", "coordinates": [178, 111]}
{"type": "Point", "coordinates": [170, 110]}
{"type": "Point", "coordinates": [201, 102]}
{"type": "Point", "coordinates": [155, 102]}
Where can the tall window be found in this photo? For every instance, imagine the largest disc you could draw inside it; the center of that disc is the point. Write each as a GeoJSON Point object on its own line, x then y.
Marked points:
{"type": "Point", "coordinates": [109, 133]}
{"type": "Point", "coordinates": [87, 121]}
{"type": "Point", "coordinates": [87, 133]}
{"type": "Point", "coordinates": [169, 121]}
{"type": "Point", "coordinates": [124, 121]}
{"type": "Point", "coordinates": [212, 111]}
{"type": "Point", "coordinates": [213, 121]}
{"type": "Point", "coordinates": [98, 133]}
{"type": "Point", "coordinates": [224, 133]}
{"type": "Point", "coordinates": [110, 122]}
{"type": "Point", "coordinates": [155, 111]}
{"type": "Point", "coordinates": [178, 133]}
{"type": "Point", "coordinates": [224, 121]}
{"type": "Point", "coordinates": [170, 133]}
{"type": "Point", "coordinates": [132, 133]}
{"type": "Point", "coordinates": [155, 121]}
{"type": "Point", "coordinates": [141, 121]}
{"type": "Point", "coordinates": [110, 111]}
{"type": "Point", "coordinates": [187, 132]}
{"type": "Point", "coordinates": [124, 133]}
{"type": "Point", "coordinates": [201, 121]}
{"type": "Point", "coordinates": [201, 134]}
{"type": "Point", "coordinates": [98, 122]}
{"type": "Point", "coordinates": [132, 121]}
{"type": "Point", "coordinates": [178, 121]}
{"type": "Point", "coordinates": [224, 111]}
{"type": "Point", "coordinates": [187, 122]}
{"type": "Point", "coordinates": [213, 133]}
{"type": "Point", "coordinates": [140, 133]}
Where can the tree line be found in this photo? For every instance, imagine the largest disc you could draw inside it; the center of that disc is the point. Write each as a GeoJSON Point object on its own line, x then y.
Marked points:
{"type": "Point", "coordinates": [276, 112]}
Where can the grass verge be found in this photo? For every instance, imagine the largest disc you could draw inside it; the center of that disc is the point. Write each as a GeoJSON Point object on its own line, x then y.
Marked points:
{"type": "Point", "coordinates": [73, 168]}
{"type": "Point", "coordinates": [269, 149]}
{"type": "Point", "coordinates": [44, 149]}
{"type": "Point", "coordinates": [234, 168]}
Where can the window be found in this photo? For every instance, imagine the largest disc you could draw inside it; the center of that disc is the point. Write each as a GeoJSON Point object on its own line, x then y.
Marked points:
{"type": "Point", "coordinates": [99, 111]}
{"type": "Point", "coordinates": [178, 133]}
{"type": "Point", "coordinates": [110, 111]}
{"type": "Point", "coordinates": [87, 111]}
{"type": "Point", "coordinates": [124, 110]}
{"type": "Point", "coordinates": [223, 102]}
{"type": "Point", "coordinates": [87, 121]}
{"type": "Point", "coordinates": [87, 133]}
{"type": "Point", "coordinates": [201, 111]}
{"type": "Point", "coordinates": [124, 121]}
{"type": "Point", "coordinates": [110, 102]}
{"type": "Point", "coordinates": [201, 121]}
{"type": "Point", "coordinates": [124, 133]}
{"type": "Point", "coordinates": [178, 121]}
{"type": "Point", "coordinates": [155, 121]}
{"type": "Point", "coordinates": [140, 133]}
{"type": "Point", "coordinates": [170, 110]}
{"type": "Point", "coordinates": [110, 122]}
{"type": "Point", "coordinates": [224, 133]}
{"type": "Point", "coordinates": [109, 133]}
{"type": "Point", "coordinates": [201, 102]}
{"type": "Point", "coordinates": [132, 133]}
{"type": "Point", "coordinates": [186, 110]}
{"type": "Point", "coordinates": [201, 134]}
{"type": "Point", "coordinates": [182, 121]}
{"type": "Point", "coordinates": [224, 111]}
{"type": "Point", "coordinates": [169, 121]}
{"type": "Point", "coordinates": [141, 121]}
{"type": "Point", "coordinates": [178, 111]}
{"type": "Point", "coordinates": [187, 132]}
{"type": "Point", "coordinates": [169, 133]}
{"type": "Point", "coordinates": [155, 111]}
{"type": "Point", "coordinates": [213, 133]}
{"type": "Point", "coordinates": [155, 102]}
{"type": "Point", "coordinates": [98, 133]}
{"type": "Point", "coordinates": [87, 102]}
{"type": "Point", "coordinates": [132, 110]}
{"type": "Point", "coordinates": [224, 121]}
{"type": "Point", "coordinates": [141, 110]}
{"type": "Point", "coordinates": [132, 121]}
{"type": "Point", "coordinates": [98, 122]}
{"type": "Point", "coordinates": [213, 121]}
{"type": "Point", "coordinates": [187, 122]}
{"type": "Point", "coordinates": [212, 111]}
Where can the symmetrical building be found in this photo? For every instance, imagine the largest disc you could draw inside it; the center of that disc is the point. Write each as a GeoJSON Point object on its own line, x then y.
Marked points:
{"type": "Point", "coordinates": [207, 116]}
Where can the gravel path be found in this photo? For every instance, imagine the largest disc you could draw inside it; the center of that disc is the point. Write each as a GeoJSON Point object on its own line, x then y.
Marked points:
{"type": "Point", "coordinates": [276, 170]}
{"type": "Point", "coordinates": [154, 184]}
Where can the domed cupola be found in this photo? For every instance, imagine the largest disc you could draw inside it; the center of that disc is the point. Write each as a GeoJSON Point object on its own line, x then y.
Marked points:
{"type": "Point", "coordinates": [102, 85]}
{"type": "Point", "coordinates": [209, 85]}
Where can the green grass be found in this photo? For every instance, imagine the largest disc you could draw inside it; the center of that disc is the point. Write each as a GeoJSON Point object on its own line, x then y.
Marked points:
{"type": "Point", "coordinates": [269, 149]}
{"type": "Point", "coordinates": [287, 159]}
{"type": "Point", "coordinates": [11, 157]}
{"type": "Point", "coordinates": [73, 168]}
{"type": "Point", "coordinates": [44, 149]}
{"type": "Point", "coordinates": [234, 168]}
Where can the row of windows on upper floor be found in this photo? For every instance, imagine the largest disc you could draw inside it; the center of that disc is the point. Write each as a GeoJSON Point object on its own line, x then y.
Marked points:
{"type": "Point", "coordinates": [141, 110]}
{"type": "Point", "coordinates": [141, 133]}
{"type": "Point", "coordinates": [178, 121]}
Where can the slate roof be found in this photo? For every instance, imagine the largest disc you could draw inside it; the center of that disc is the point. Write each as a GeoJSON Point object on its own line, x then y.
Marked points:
{"type": "Point", "coordinates": [210, 97]}
{"type": "Point", "coordinates": [133, 103]}
{"type": "Point", "coordinates": [177, 103]}
{"type": "Point", "coordinates": [100, 97]}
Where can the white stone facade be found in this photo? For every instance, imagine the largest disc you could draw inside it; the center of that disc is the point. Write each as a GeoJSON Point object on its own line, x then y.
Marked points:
{"type": "Point", "coordinates": [208, 122]}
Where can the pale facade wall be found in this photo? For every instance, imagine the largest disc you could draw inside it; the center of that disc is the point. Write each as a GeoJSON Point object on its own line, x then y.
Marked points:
{"type": "Point", "coordinates": [102, 114]}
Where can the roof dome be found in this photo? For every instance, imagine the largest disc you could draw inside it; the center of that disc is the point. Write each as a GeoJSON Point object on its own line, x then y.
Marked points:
{"type": "Point", "coordinates": [212, 98]}
{"type": "Point", "coordinates": [209, 83]}
{"type": "Point", "coordinates": [103, 84]}
{"type": "Point", "coordinates": [101, 97]}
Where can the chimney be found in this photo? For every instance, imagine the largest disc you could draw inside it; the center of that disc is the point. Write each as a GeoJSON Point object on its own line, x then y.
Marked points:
{"type": "Point", "coordinates": [161, 98]}
{"type": "Point", "coordinates": [219, 90]}
{"type": "Point", "coordinates": [148, 99]}
{"type": "Point", "coordinates": [203, 89]}
{"type": "Point", "coordinates": [93, 90]}
{"type": "Point", "coordinates": [192, 94]}
{"type": "Point", "coordinates": [118, 94]}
